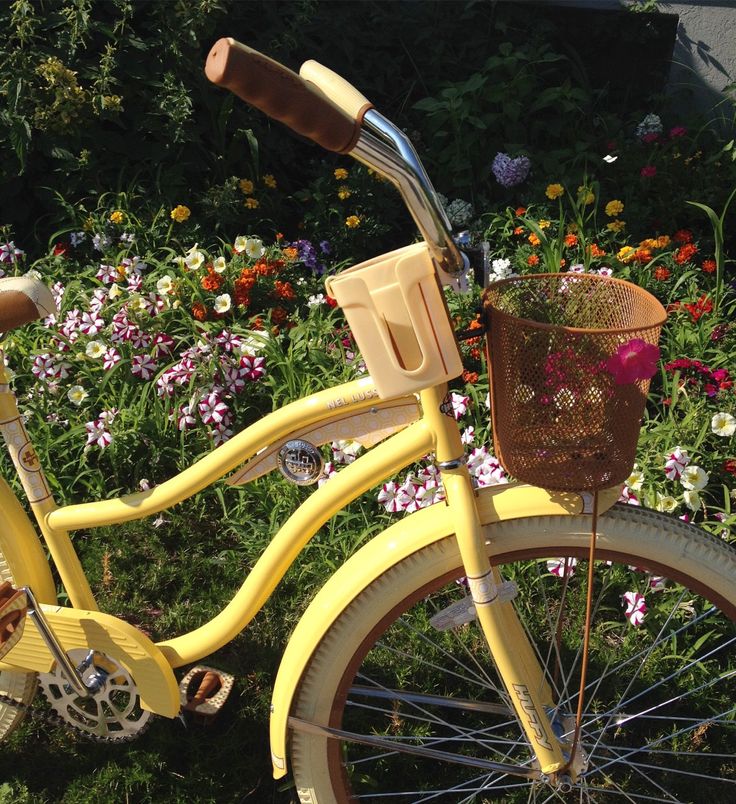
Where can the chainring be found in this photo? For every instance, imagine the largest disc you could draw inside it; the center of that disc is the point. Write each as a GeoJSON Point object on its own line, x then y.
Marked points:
{"type": "Point", "coordinates": [113, 713]}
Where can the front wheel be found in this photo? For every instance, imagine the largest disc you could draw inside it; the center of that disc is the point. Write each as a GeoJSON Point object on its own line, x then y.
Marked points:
{"type": "Point", "coordinates": [660, 705]}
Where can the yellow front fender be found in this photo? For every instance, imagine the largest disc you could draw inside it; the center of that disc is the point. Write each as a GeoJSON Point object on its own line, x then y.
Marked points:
{"type": "Point", "coordinates": [495, 504]}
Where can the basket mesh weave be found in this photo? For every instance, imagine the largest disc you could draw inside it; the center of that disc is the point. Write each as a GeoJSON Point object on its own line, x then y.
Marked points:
{"type": "Point", "coordinates": [563, 417]}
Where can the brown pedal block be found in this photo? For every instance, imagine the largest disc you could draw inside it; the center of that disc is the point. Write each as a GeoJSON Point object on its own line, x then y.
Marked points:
{"type": "Point", "coordinates": [203, 691]}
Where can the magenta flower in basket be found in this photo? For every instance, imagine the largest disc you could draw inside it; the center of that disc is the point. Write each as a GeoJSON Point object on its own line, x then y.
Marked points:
{"type": "Point", "coordinates": [634, 360]}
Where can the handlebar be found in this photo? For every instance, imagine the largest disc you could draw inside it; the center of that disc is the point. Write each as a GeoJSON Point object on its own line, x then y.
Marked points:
{"type": "Point", "coordinates": [324, 107]}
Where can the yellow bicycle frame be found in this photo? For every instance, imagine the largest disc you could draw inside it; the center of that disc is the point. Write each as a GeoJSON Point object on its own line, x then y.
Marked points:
{"type": "Point", "coordinates": [341, 410]}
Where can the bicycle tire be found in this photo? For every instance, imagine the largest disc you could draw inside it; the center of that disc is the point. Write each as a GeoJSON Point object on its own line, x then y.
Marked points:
{"type": "Point", "coordinates": [19, 686]}
{"type": "Point", "coordinates": [682, 757]}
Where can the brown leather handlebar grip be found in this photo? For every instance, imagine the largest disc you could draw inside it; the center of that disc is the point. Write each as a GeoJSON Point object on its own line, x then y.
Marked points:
{"type": "Point", "coordinates": [281, 94]}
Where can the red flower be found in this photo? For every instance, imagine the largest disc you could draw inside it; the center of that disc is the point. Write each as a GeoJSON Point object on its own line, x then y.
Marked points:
{"type": "Point", "coordinates": [699, 308]}
{"type": "Point", "coordinates": [519, 211]}
{"type": "Point", "coordinates": [661, 273]}
{"type": "Point", "coordinates": [683, 236]}
{"type": "Point", "coordinates": [61, 250]}
{"type": "Point", "coordinates": [709, 266]}
{"type": "Point", "coordinates": [648, 172]}
{"type": "Point", "coordinates": [685, 253]}
{"type": "Point", "coordinates": [729, 465]}
{"type": "Point", "coordinates": [635, 360]}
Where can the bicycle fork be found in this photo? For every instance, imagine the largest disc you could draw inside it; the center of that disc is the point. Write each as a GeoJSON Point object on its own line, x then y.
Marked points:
{"type": "Point", "coordinates": [509, 645]}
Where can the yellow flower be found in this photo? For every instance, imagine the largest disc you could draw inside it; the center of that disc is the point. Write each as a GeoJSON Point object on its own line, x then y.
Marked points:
{"type": "Point", "coordinates": [344, 192]}
{"type": "Point", "coordinates": [352, 221]}
{"type": "Point", "coordinates": [648, 243]}
{"type": "Point", "coordinates": [544, 224]}
{"type": "Point", "coordinates": [534, 240]}
{"type": "Point", "coordinates": [616, 226]}
{"type": "Point", "coordinates": [246, 186]}
{"type": "Point", "coordinates": [626, 254]}
{"type": "Point", "coordinates": [341, 174]}
{"type": "Point", "coordinates": [251, 203]}
{"type": "Point", "coordinates": [88, 225]}
{"type": "Point", "coordinates": [585, 195]}
{"type": "Point", "coordinates": [663, 241]}
{"type": "Point", "coordinates": [614, 208]}
{"type": "Point", "coordinates": [554, 191]}
{"type": "Point", "coordinates": [180, 213]}
{"type": "Point", "coordinates": [116, 216]}
{"type": "Point", "coordinates": [269, 181]}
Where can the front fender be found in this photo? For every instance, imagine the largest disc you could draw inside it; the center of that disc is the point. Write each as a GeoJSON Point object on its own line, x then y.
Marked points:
{"type": "Point", "coordinates": [495, 504]}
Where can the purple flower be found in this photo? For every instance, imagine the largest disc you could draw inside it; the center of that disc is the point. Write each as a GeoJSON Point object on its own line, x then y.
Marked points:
{"type": "Point", "coordinates": [325, 247]}
{"type": "Point", "coordinates": [510, 172]}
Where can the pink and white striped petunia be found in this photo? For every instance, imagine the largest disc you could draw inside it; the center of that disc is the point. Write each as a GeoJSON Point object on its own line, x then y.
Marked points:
{"type": "Point", "coordinates": [107, 274]}
{"type": "Point", "coordinates": [429, 493]}
{"type": "Point", "coordinates": [143, 366]}
{"type": "Point", "coordinates": [388, 497]}
{"type": "Point", "coordinates": [460, 405]}
{"type": "Point", "coordinates": [253, 367]}
{"type": "Point", "coordinates": [408, 495]}
{"type": "Point", "coordinates": [676, 463]}
{"type": "Point", "coordinates": [111, 358]}
{"type": "Point", "coordinates": [234, 379]}
{"type": "Point", "coordinates": [628, 497]}
{"type": "Point", "coordinates": [562, 566]}
{"type": "Point", "coordinates": [636, 607]}
{"type": "Point", "coordinates": [327, 472]}
{"type": "Point", "coordinates": [98, 434]}
{"type": "Point", "coordinates": [220, 434]}
{"type": "Point", "coordinates": [212, 410]}
{"type": "Point", "coordinates": [185, 420]}
{"type": "Point", "coordinates": [91, 323]}
{"type": "Point", "coordinates": [163, 344]}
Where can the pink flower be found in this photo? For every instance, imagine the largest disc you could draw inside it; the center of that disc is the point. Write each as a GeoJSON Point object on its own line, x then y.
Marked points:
{"type": "Point", "coordinates": [635, 360]}
{"type": "Point", "coordinates": [674, 465]}
{"type": "Point", "coordinates": [459, 405]}
{"type": "Point", "coordinates": [562, 566]}
{"type": "Point", "coordinates": [648, 172]}
{"type": "Point", "coordinates": [186, 420]}
{"type": "Point", "coordinates": [212, 410]}
{"type": "Point", "coordinates": [163, 344]}
{"type": "Point", "coordinates": [636, 607]}
{"type": "Point", "coordinates": [143, 366]}
{"type": "Point", "coordinates": [91, 323]}
{"type": "Point", "coordinates": [253, 367]}
{"type": "Point", "coordinates": [388, 497]}
{"type": "Point", "coordinates": [98, 434]}
{"type": "Point", "coordinates": [677, 131]}
{"type": "Point", "coordinates": [111, 358]}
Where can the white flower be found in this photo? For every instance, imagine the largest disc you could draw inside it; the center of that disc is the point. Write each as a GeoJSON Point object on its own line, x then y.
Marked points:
{"type": "Point", "coordinates": [694, 478]}
{"type": "Point", "coordinates": [194, 259]}
{"type": "Point", "coordinates": [345, 451]}
{"type": "Point", "coordinates": [219, 265]}
{"type": "Point", "coordinates": [459, 405]}
{"type": "Point", "coordinates": [723, 424]}
{"type": "Point", "coordinates": [609, 159]}
{"type": "Point", "coordinates": [651, 124]}
{"type": "Point", "coordinates": [180, 262]}
{"type": "Point", "coordinates": [666, 503]}
{"type": "Point", "coordinates": [315, 301]}
{"type": "Point", "coordinates": [501, 269]}
{"type": "Point", "coordinates": [95, 349]}
{"type": "Point", "coordinates": [468, 435]}
{"type": "Point", "coordinates": [254, 247]}
{"type": "Point", "coordinates": [223, 303]}
{"type": "Point", "coordinates": [691, 500]}
{"type": "Point", "coordinates": [239, 244]}
{"type": "Point", "coordinates": [77, 394]}
{"type": "Point", "coordinates": [636, 479]}
{"type": "Point", "coordinates": [75, 238]}
{"type": "Point", "coordinates": [165, 284]}
{"type": "Point", "coordinates": [254, 342]}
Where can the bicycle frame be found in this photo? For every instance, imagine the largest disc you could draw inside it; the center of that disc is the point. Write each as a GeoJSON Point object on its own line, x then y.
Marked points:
{"type": "Point", "coordinates": [342, 412]}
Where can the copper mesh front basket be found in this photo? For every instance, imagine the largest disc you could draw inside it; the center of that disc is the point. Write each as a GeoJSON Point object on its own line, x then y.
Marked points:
{"type": "Point", "coordinates": [563, 349]}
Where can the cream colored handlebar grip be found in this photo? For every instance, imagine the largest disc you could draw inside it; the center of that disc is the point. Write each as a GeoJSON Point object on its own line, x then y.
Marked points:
{"type": "Point", "coordinates": [342, 93]}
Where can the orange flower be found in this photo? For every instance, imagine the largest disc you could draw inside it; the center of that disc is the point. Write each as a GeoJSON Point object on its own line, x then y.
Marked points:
{"type": "Point", "coordinates": [534, 240]}
{"type": "Point", "coordinates": [685, 253]}
{"type": "Point", "coordinates": [475, 353]}
{"type": "Point", "coordinates": [519, 230]}
{"type": "Point", "coordinates": [519, 211]}
{"type": "Point", "coordinates": [571, 240]}
{"type": "Point", "coordinates": [532, 259]}
{"type": "Point", "coordinates": [709, 266]}
{"type": "Point", "coordinates": [213, 280]}
{"type": "Point", "coordinates": [642, 255]}
{"type": "Point", "coordinates": [284, 290]}
{"type": "Point", "coordinates": [278, 315]}
{"type": "Point", "coordinates": [596, 251]}
{"type": "Point", "coordinates": [661, 273]}
{"type": "Point", "coordinates": [470, 376]}
{"type": "Point", "coordinates": [291, 253]}
{"type": "Point", "coordinates": [199, 311]}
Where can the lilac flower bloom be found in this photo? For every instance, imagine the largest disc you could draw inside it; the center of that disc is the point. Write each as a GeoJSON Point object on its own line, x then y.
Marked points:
{"type": "Point", "coordinates": [325, 247]}
{"type": "Point", "coordinates": [510, 171]}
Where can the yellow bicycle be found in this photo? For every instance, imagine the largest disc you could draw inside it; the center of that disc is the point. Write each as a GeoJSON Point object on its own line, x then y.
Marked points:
{"type": "Point", "coordinates": [442, 662]}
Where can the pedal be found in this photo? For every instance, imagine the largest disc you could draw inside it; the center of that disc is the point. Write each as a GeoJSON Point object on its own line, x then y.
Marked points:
{"type": "Point", "coordinates": [463, 611]}
{"type": "Point", "coordinates": [203, 692]}
{"type": "Point", "coordinates": [13, 611]}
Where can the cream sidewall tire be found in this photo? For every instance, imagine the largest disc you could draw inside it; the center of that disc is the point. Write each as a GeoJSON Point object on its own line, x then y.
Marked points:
{"type": "Point", "coordinates": [629, 534]}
